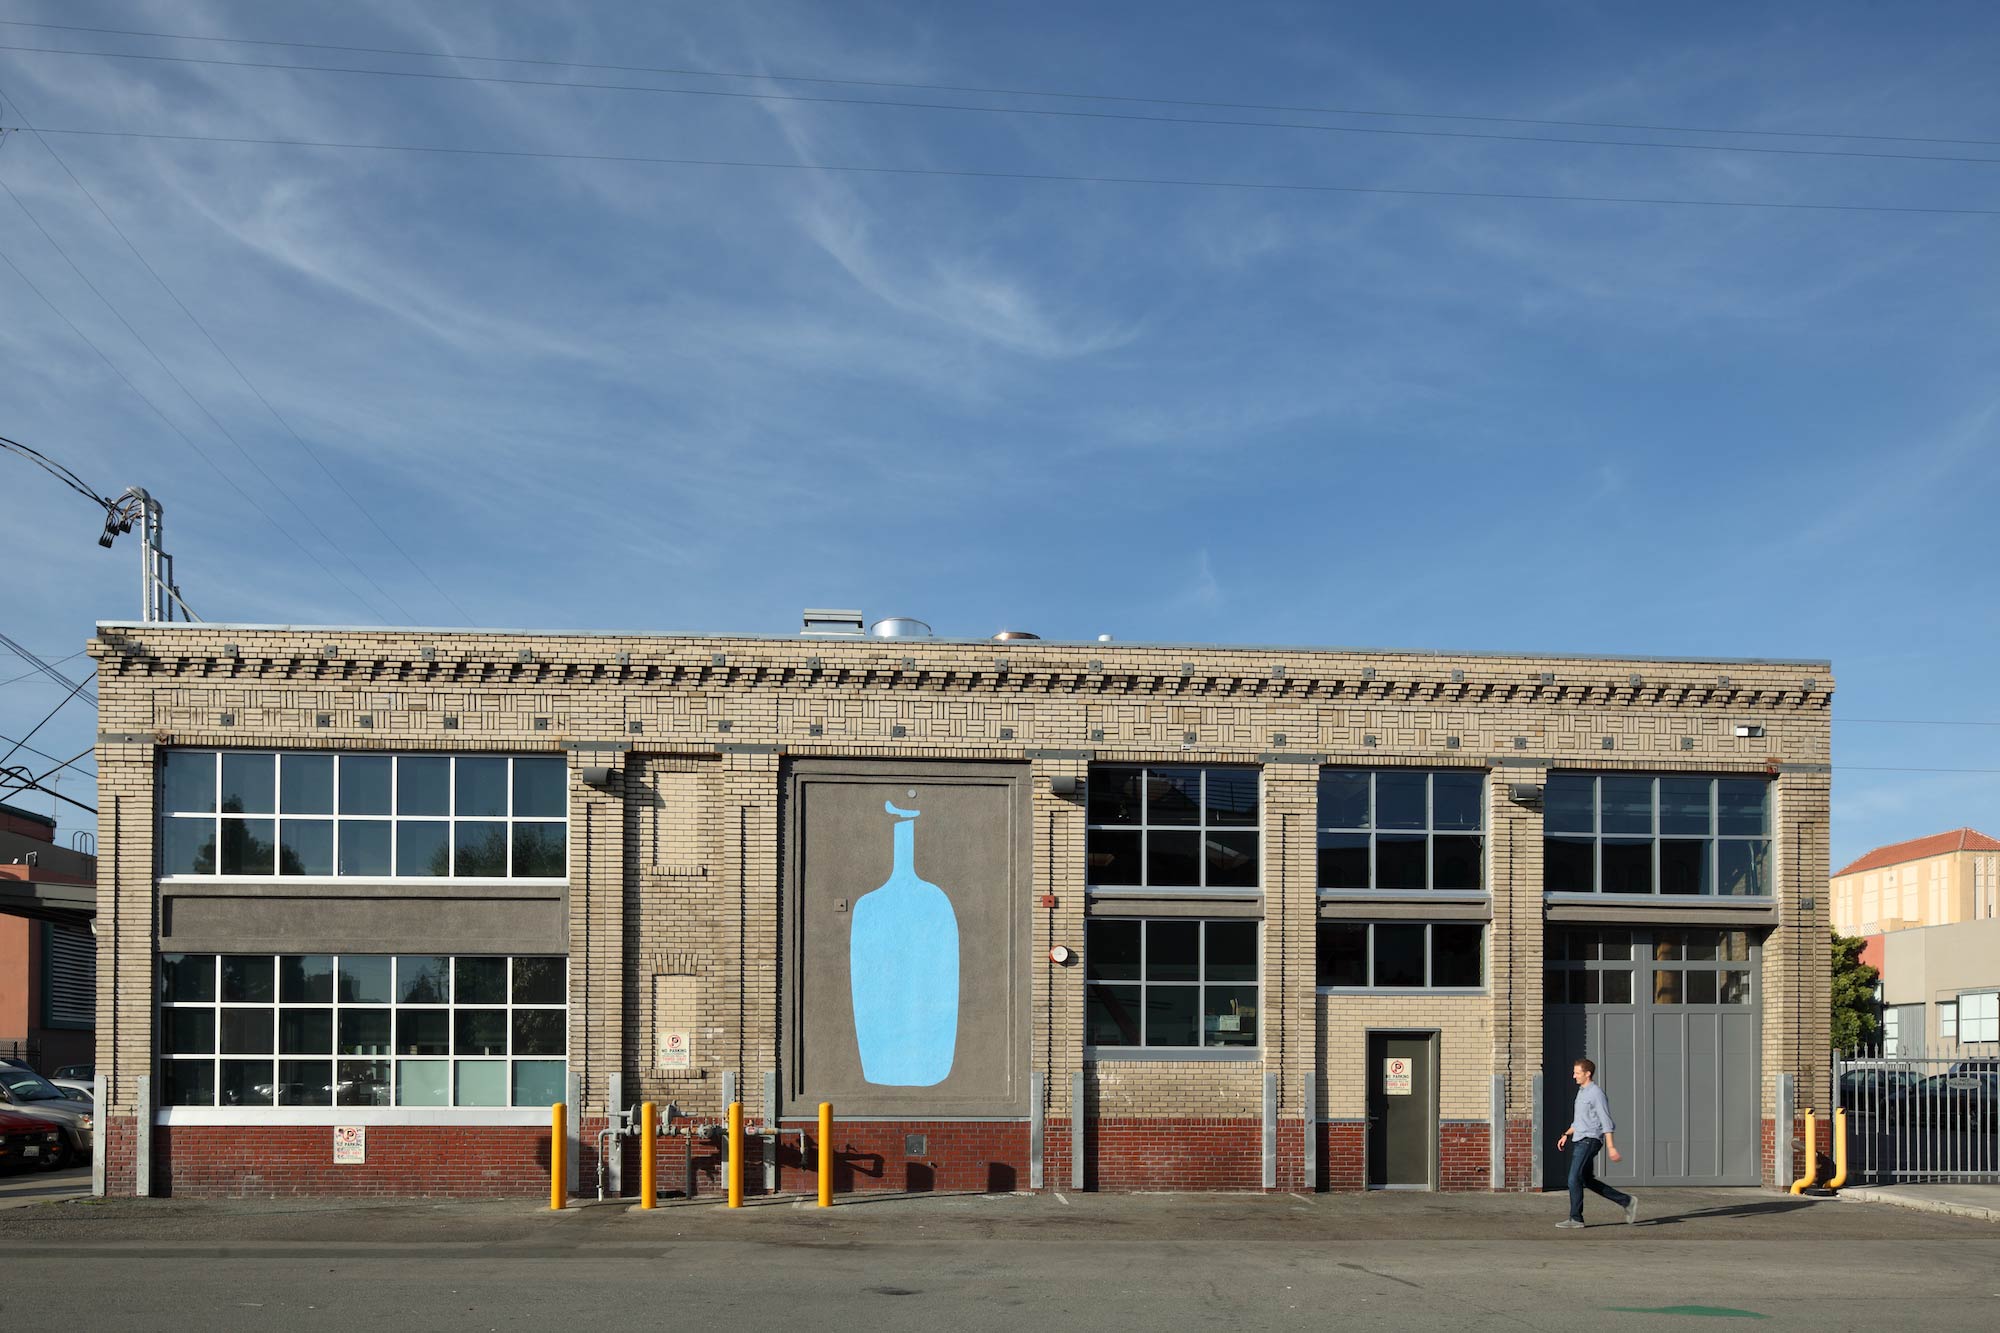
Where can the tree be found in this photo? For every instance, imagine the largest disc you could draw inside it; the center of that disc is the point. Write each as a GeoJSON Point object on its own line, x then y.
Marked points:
{"type": "Point", "coordinates": [1854, 1020]}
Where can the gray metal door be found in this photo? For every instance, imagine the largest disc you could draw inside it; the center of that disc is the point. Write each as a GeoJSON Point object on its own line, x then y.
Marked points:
{"type": "Point", "coordinates": [1671, 1017]}
{"type": "Point", "coordinates": [1402, 1110]}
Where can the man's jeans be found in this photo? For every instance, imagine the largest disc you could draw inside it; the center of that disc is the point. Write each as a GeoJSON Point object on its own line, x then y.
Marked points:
{"type": "Point", "coordinates": [1582, 1153]}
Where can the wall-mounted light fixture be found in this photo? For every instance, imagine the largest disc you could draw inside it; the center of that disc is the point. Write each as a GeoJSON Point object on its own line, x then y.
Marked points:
{"type": "Point", "coordinates": [1527, 794]}
{"type": "Point", "coordinates": [1065, 784]}
{"type": "Point", "coordinates": [1749, 731]}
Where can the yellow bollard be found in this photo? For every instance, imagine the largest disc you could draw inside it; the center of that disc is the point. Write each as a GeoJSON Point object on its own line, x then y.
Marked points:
{"type": "Point", "coordinates": [826, 1154]}
{"type": "Point", "coordinates": [1841, 1149]}
{"type": "Point", "coordinates": [736, 1154]}
{"type": "Point", "coordinates": [558, 1167]}
{"type": "Point", "coordinates": [649, 1146]}
{"type": "Point", "coordinates": [1800, 1185]}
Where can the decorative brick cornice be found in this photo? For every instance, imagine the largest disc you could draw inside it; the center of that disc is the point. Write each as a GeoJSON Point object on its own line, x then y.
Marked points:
{"type": "Point", "coordinates": [446, 660]}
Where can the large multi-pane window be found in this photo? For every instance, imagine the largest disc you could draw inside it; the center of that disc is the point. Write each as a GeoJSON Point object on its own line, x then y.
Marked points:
{"type": "Point", "coordinates": [1401, 828]}
{"type": "Point", "coordinates": [1173, 827]}
{"type": "Point", "coordinates": [1402, 955]}
{"type": "Point", "coordinates": [1634, 833]}
{"type": "Point", "coordinates": [253, 812]}
{"type": "Point", "coordinates": [362, 1030]}
{"type": "Point", "coordinates": [1589, 965]}
{"type": "Point", "coordinates": [1979, 1017]}
{"type": "Point", "coordinates": [1171, 982]}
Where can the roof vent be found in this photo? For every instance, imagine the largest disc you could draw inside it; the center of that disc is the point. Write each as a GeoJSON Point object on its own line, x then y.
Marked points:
{"type": "Point", "coordinates": [1010, 634]}
{"type": "Point", "coordinates": [900, 627]}
{"type": "Point", "coordinates": [822, 621]}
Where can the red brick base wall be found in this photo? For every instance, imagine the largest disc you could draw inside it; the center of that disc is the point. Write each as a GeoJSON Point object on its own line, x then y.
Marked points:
{"type": "Point", "coordinates": [1157, 1153]}
{"type": "Point", "coordinates": [1797, 1165]}
{"type": "Point", "coordinates": [1520, 1149]}
{"type": "Point", "coordinates": [982, 1156]}
{"type": "Point", "coordinates": [233, 1161]}
{"type": "Point", "coordinates": [1465, 1155]}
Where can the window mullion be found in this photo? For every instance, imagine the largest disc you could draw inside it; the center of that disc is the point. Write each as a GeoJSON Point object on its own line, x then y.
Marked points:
{"type": "Point", "coordinates": [395, 815]}
{"type": "Point", "coordinates": [1430, 830]}
{"type": "Point", "coordinates": [1653, 798]}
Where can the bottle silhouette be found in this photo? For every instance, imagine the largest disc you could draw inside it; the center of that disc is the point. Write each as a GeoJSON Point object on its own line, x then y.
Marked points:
{"type": "Point", "coordinates": [902, 959]}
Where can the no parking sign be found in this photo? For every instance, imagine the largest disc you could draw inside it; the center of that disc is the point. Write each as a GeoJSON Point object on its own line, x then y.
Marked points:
{"type": "Point", "coordinates": [1396, 1076]}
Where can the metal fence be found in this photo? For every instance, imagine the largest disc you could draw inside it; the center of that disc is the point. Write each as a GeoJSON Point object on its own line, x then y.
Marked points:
{"type": "Point", "coordinates": [1930, 1117]}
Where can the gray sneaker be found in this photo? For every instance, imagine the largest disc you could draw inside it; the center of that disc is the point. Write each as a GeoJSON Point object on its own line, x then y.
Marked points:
{"type": "Point", "coordinates": [1631, 1211]}
{"type": "Point", "coordinates": [1569, 1223]}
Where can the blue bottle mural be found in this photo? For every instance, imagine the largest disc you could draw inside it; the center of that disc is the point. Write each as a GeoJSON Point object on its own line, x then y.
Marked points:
{"type": "Point", "coordinates": [903, 972]}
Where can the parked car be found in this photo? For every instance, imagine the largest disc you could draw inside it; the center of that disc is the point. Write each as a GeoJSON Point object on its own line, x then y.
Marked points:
{"type": "Point", "coordinates": [76, 1091]}
{"type": "Point", "coordinates": [80, 1073]}
{"type": "Point", "coordinates": [23, 1090]}
{"type": "Point", "coordinates": [30, 1141]}
{"type": "Point", "coordinates": [1875, 1091]}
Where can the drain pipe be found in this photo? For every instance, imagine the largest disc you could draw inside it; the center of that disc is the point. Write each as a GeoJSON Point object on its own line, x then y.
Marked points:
{"type": "Point", "coordinates": [622, 1126]}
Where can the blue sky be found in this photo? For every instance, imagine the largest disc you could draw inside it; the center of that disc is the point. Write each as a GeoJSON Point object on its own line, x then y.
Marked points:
{"type": "Point", "coordinates": [677, 397]}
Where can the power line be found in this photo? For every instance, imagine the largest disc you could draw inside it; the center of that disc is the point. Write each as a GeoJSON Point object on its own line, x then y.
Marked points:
{"type": "Point", "coordinates": [259, 393]}
{"type": "Point", "coordinates": [168, 370]}
{"type": "Point", "coordinates": [58, 662]}
{"type": "Point", "coordinates": [44, 754]}
{"type": "Point", "coordinates": [1915, 722]}
{"type": "Point", "coordinates": [1039, 176]}
{"type": "Point", "coordinates": [74, 691]}
{"type": "Point", "coordinates": [1293, 108]}
{"type": "Point", "coordinates": [200, 406]}
{"type": "Point", "coordinates": [45, 669]}
{"type": "Point", "coordinates": [1130, 116]}
{"type": "Point", "coordinates": [164, 418]}
{"type": "Point", "coordinates": [1879, 768]}
{"type": "Point", "coordinates": [56, 470]}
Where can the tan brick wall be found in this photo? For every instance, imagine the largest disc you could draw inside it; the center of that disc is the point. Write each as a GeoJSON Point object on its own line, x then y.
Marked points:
{"type": "Point", "coordinates": [677, 865]}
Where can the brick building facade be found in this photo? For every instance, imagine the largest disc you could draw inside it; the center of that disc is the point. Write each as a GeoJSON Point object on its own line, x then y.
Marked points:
{"type": "Point", "coordinates": [1233, 872]}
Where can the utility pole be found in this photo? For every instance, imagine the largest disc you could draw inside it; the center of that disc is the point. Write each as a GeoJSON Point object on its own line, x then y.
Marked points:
{"type": "Point", "coordinates": [158, 593]}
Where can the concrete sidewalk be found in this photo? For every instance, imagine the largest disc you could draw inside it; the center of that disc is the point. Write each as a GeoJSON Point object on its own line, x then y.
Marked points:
{"type": "Point", "coordinates": [1981, 1201]}
{"type": "Point", "coordinates": [890, 1263]}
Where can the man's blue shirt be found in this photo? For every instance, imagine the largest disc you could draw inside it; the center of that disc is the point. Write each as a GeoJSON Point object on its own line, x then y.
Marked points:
{"type": "Point", "coordinates": [1593, 1113]}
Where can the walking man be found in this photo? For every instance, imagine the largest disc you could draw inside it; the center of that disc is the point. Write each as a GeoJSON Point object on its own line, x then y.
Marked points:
{"type": "Point", "coordinates": [1592, 1128]}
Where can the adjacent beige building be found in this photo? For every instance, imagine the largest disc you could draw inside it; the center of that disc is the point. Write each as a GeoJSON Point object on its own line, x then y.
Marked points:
{"type": "Point", "coordinates": [1938, 880]}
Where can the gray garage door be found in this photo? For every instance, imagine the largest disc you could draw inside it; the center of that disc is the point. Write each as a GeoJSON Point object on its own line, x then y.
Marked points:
{"type": "Point", "coordinates": [1671, 1016]}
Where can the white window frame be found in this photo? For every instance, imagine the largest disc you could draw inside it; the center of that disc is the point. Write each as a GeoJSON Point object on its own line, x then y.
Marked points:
{"type": "Point", "coordinates": [1947, 1020]}
{"type": "Point", "coordinates": [395, 820]}
{"type": "Point", "coordinates": [1982, 1024]}
{"type": "Point", "coordinates": [215, 1112]}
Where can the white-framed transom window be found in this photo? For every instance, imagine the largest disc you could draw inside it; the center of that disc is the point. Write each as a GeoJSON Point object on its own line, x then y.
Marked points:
{"type": "Point", "coordinates": [252, 813]}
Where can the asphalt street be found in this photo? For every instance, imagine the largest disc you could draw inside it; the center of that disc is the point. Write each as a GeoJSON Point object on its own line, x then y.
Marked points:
{"type": "Point", "coordinates": [992, 1262]}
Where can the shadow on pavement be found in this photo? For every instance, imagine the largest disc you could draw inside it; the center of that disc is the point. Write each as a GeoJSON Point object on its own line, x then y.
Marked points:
{"type": "Point", "coordinates": [1762, 1209]}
